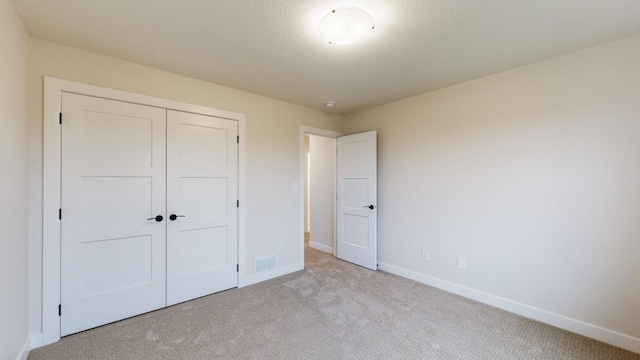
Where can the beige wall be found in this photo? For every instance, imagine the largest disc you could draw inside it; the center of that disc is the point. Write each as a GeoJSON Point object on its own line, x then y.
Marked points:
{"type": "Point", "coordinates": [272, 129]}
{"type": "Point", "coordinates": [14, 334]}
{"type": "Point", "coordinates": [532, 175]}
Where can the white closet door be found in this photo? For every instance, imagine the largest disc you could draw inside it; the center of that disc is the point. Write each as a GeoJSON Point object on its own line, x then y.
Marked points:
{"type": "Point", "coordinates": [202, 180]}
{"type": "Point", "coordinates": [113, 181]}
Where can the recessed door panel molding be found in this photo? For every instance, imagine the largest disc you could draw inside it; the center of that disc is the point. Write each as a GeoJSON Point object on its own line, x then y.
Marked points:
{"type": "Point", "coordinates": [205, 197]}
{"type": "Point", "coordinates": [112, 256]}
{"type": "Point", "coordinates": [357, 199]}
{"type": "Point", "coordinates": [109, 202]}
{"type": "Point", "coordinates": [355, 191]}
{"type": "Point", "coordinates": [202, 250]}
{"type": "Point", "coordinates": [355, 230]}
{"type": "Point", "coordinates": [202, 147]}
{"type": "Point", "coordinates": [202, 190]}
{"type": "Point", "coordinates": [116, 139]}
{"type": "Point", "coordinates": [98, 274]}
{"type": "Point", "coordinates": [353, 155]}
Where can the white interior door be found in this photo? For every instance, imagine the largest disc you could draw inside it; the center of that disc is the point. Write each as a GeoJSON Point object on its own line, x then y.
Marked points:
{"type": "Point", "coordinates": [202, 180]}
{"type": "Point", "coordinates": [113, 187]}
{"type": "Point", "coordinates": [357, 199]}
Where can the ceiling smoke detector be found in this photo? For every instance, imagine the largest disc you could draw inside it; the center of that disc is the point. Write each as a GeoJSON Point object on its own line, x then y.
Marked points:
{"type": "Point", "coordinates": [346, 25]}
{"type": "Point", "coordinates": [329, 104]}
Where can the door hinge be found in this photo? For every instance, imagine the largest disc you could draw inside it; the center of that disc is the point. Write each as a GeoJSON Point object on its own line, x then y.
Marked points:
{"type": "Point", "coordinates": [237, 267]}
{"type": "Point", "coordinates": [238, 139]}
{"type": "Point", "coordinates": [60, 119]}
{"type": "Point", "coordinates": [59, 214]}
{"type": "Point", "coordinates": [59, 309]}
{"type": "Point", "coordinates": [237, 203]}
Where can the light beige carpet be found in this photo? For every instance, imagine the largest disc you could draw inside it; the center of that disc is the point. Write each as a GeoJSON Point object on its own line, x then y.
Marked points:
{"type": "Point", "coordinates": [331, 310]}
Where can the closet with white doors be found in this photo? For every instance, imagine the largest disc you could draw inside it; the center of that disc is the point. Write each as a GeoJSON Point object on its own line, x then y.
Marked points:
{"type": "Point", "coordinates": [148, 212]}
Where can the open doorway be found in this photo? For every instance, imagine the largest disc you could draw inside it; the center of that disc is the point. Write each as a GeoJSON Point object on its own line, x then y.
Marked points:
{"type": "Point", "coordinates": [319, 188]}
{"type": "Point", "coordinates": [318, 195]}
{"type": "Point", "coordinates": [347, 231]}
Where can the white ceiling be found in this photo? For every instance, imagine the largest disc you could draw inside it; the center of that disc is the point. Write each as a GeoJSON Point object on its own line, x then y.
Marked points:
{"type": "Point", "coordinates": [271, 47]}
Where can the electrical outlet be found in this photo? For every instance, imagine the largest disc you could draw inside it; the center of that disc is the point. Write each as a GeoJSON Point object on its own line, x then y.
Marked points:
{"type": "Point", "coordinates": [462, 263]}
{"type": "Point", "coordinates": [280, 249]}
{"type": "Point", "coordinates": [425, 255]}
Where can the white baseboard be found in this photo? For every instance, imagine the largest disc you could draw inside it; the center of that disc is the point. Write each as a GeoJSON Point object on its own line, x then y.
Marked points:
{"type": "Point", "coordinates": [35, 341]}
{"type": "Point", "coordinates": [321, 247]}
{"type": "Point", "coordinates": [595, 332]}
{"type": "Point", "coordinates": [254, 279]}
{"type": "Point", "coordinates": [24, 352]}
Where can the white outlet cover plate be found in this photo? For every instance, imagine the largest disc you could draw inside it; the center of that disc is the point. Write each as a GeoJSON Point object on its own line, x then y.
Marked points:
{"type": "Point", "coordinates": [462, 263]}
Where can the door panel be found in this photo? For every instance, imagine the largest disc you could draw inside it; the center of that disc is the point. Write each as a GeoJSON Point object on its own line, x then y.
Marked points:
{"type": "Point", "coordinates": [113, 180]}
{"type": "Point", "coordinates": [116, 140]}
{"type": "Point", "coordinates": [356, 230]}
{"type": "Point", "coordinates": [202, 146]}
{"type": "Point", "coordinates": [202, 197]}
{"type": "Point", "coordinates": [101, 195]}
{"type": "Point", "coordinates": [357, 190]}
{"type": "Point", "coordinates": [355, 193]}
{"type": "Point", "coordinates": [202, 178]}
{"type": "Point", "coordinates": [202, 250]}
{"type": "Point", "coordinates": [101, 277]}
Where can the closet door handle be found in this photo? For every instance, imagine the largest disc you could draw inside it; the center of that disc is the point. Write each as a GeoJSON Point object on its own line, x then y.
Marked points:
{"type": "Point", "coordinates": [157, 218]}
{"type": "Point", "coordinates": [172, 217]}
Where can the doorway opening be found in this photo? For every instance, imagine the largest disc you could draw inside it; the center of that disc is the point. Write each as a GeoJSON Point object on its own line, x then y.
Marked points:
{"type": "Point", "coordinates": [319, 188]}
{"type": "Point", "coordinates": [339, 170]}
{"type": "Point", "coordinates": [318, 195]}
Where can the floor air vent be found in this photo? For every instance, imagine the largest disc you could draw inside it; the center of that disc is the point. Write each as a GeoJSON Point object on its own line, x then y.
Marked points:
{"type": "Point", "coordinates": [264, 264]}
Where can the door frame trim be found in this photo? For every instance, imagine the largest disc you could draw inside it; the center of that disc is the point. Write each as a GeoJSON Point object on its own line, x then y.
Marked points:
{"type": "Point", "coordinates": [52, 144]}
{"type": "Point", "coordinates": [308, 130]}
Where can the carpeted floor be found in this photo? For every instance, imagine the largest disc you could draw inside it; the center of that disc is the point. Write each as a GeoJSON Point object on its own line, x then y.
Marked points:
{"type": "Point", "coordinates": [330, 310]}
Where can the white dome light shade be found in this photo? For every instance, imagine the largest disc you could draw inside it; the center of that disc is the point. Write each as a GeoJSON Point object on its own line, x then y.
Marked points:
{"type": "Point", "coordinates": [346, 25]}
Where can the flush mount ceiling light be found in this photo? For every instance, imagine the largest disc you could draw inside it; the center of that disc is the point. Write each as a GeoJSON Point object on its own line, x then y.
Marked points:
{"type": "Point", "coordinates": [346, 25]}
